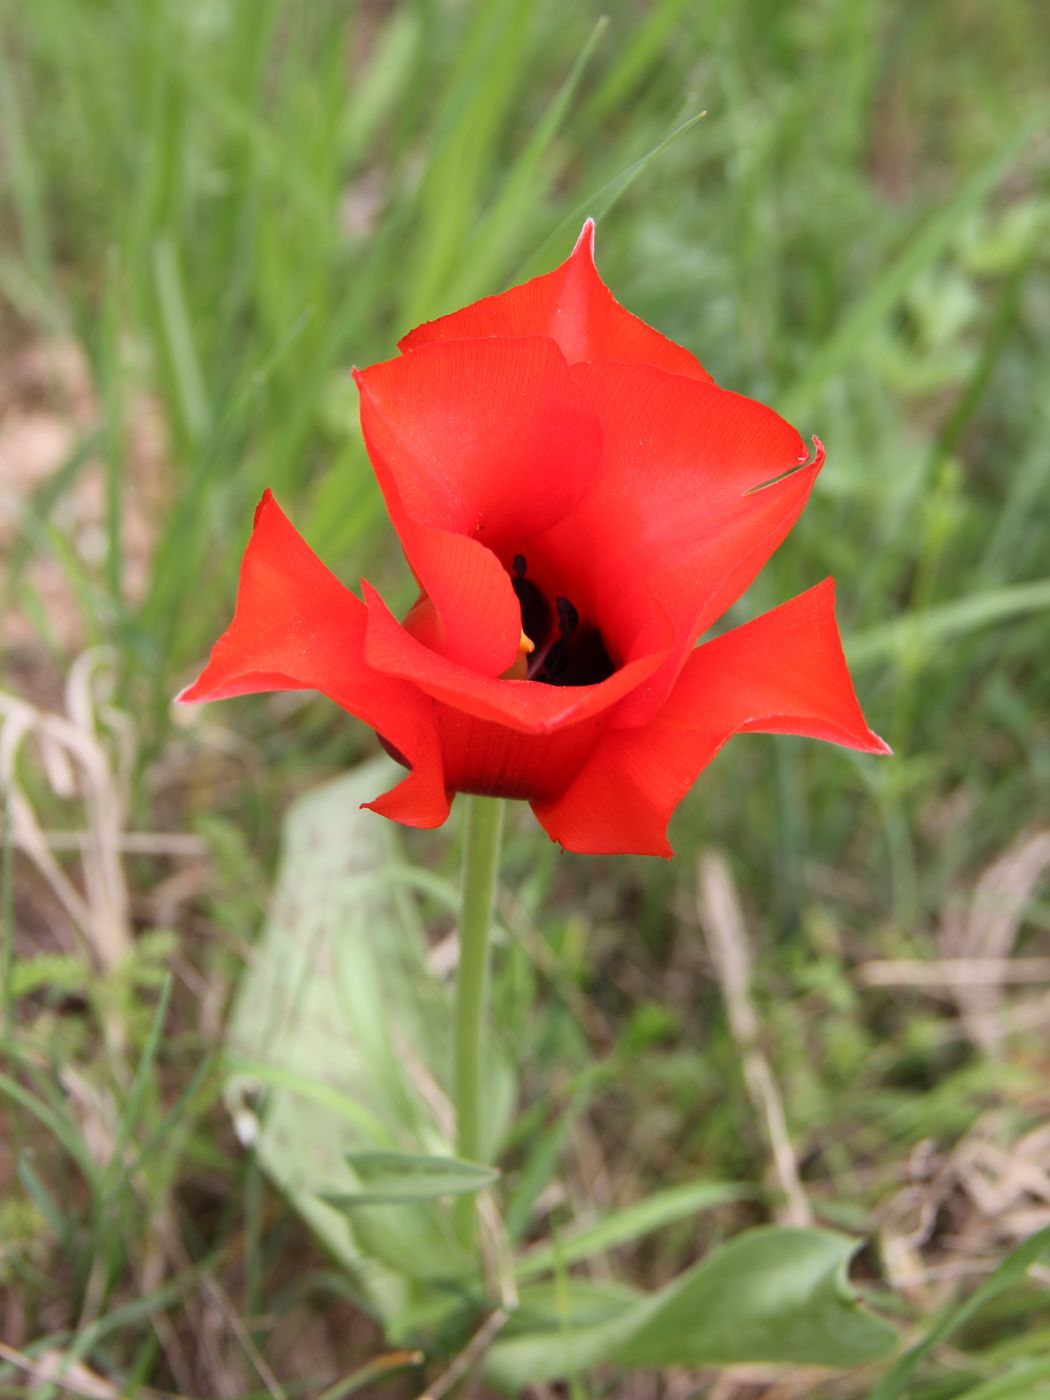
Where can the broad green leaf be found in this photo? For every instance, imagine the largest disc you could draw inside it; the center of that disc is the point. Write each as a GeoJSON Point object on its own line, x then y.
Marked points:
{"type": "Point", "coordinates": [390, 1177]}
{"type": "Point", "coordinates": [579, 1301]}
{"type": "Point", "coordinates": [631, 1223]}
{"type": "Point", "coordinates": [771, 1294]}
{"type": "Point", "coordinates": [339, 1043]}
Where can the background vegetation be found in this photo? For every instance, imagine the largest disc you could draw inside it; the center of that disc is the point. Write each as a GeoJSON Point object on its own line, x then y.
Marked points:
{"type": "Point", "coordinates": [209, 210]}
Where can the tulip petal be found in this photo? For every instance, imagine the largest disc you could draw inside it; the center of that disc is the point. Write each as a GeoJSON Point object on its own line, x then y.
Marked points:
{"type": "Point", "coordinates": [530, 707]}
{"type": "Point", "coordinates": [495, 760]}
{"type": "Point", "coordinates": [574, 307]}
{"type": "Point", "coordinates": [783, 673]}
{"type": "Point", "coordinates": [477, 446]}
{"type": "Point", "coordinates": [677, 513]}
{"type": "Point", "coordinates": [296, 627]}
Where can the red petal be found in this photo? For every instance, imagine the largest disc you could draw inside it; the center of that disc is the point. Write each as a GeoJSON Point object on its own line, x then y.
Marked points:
{"type": "Point", "coordinates": [782, 673]}
{"type": "Point", "coordinates": [296, 627]}
{"type": "Point", "coordinates": [676, 516]}
{"type": "Point", "coordinates": [571, 305]}
{"type": "Point", "coordinates": [477, 446]}
{"type": "Point", "coordinates": [497, 761]}
{"type": "Point", "coordinates": [527, 706]}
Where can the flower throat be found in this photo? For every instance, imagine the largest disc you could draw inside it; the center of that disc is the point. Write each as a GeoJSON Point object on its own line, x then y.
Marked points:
{"type": "Point", "coordinates": [566, 650]}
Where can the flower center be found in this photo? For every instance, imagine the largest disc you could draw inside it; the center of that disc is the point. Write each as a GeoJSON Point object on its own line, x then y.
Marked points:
{"type": "Point", "coordinates": [565, 649]}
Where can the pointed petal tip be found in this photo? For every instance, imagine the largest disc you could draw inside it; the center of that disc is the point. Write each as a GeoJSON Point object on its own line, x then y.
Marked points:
{"type": "Point", "coordinates": [265, 500]}
{"type": "Point", "coordinates": [585, 242]}
{"type": "Point", "coordinates": [396, 806]}
{"type": "Point", "coordinates": [198, 692]}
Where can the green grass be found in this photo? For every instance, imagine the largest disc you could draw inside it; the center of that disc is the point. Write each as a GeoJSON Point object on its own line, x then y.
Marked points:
{"type": "Point", "coordinates": [227, 203]}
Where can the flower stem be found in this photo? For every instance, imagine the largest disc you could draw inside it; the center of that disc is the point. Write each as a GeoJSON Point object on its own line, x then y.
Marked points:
{"type": "Point", "coordinates": [480, 866]}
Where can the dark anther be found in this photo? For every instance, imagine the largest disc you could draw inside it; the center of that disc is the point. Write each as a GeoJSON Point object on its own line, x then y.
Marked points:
{"type": "Point", "coordinates": [568, 618]}
{"type": "Point", "coordinates": [535, 612]}
{"type": "Point", "coordinates": [577, 656]}
{"type": "Point", "coordinates": [588, 662]}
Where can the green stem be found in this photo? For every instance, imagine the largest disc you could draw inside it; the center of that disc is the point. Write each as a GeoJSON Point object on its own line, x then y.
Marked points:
{"type": "Point", "coordinates": [480, 866]}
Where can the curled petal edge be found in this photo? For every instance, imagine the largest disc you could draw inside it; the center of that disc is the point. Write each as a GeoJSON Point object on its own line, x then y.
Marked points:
{"type": "Point", "coordinates": [572, 306]}
{"type": "Point", "coordinates": [783, 673]}
{"type": "Point", "coordinates": [296, 627]}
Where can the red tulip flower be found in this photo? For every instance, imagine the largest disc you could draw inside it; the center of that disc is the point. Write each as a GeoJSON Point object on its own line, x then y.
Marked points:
{"type": "Point", "coordinates": [579, 503]}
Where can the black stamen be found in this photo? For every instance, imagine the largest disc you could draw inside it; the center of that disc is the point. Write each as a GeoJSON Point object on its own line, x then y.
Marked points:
{"type": "Point", "coordinates": [577, 656]}
{"type": "Point", "coordinates": [568, 618]}
{"type": "Point", "coordinates": [535, 611]}
{"type": "Point", "coordinates": [588, 661]}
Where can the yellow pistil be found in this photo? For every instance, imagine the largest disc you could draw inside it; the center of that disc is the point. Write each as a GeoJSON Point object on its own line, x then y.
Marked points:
{"type": "Point", "coordinates": [519, 670]}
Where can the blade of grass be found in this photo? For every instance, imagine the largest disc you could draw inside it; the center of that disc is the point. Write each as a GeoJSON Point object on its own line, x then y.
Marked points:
{"type": "Point", "coordinates": [606, 196]}
{"type": "Point", "coordinates": [178, 339]}
{"type": "Point", "coordinates": [500, 230]}
{"type": "Point", "coordinates": [921, 247]}
{"type": "Point", "coordinates": [917, 634]}
{"type": "Point", "coordinates": [1009, 1273]}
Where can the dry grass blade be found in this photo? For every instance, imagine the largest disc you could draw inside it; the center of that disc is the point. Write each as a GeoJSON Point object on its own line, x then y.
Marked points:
{"type": "Point", "coordinates": [218, 1295]}
{"type": "Point", "coordinates": [723, 923]}
{"type": "Point", "coordinates": [946, 974]}
{"type": "Point", "coordinates": [54, 1368]}
{"type": "Point", "coordinates": [986, 931]}
{"type": "Point", "coordinates": [1007, 1179]}
{"type": "Point", "coordinates": [76, 765]}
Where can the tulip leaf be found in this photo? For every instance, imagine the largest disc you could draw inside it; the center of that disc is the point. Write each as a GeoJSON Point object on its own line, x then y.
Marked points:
{"type": "Point", "coordinates": [580, 1302]}
{"type": "Point", "coordinates": [389, 1177]}
{"type": "Point", "coordinates": [340, 1045]}
{"type": "Point", "coordinates": [631, 1223]}
{"type": "Point", "coordinates": [769, 1295]}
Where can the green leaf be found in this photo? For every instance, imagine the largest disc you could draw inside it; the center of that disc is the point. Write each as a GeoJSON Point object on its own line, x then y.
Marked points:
{"type": "Point", "coordinates": [581, 1301]}
{"type": "Point", "coordinates": [631, 1223]}
{"type": "Point", "coordinates": [389, 1177]}
{"type": "Point", "coordinates": [771, 1294]}
{"type": "Point", "coordinates": [339, 1044]}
